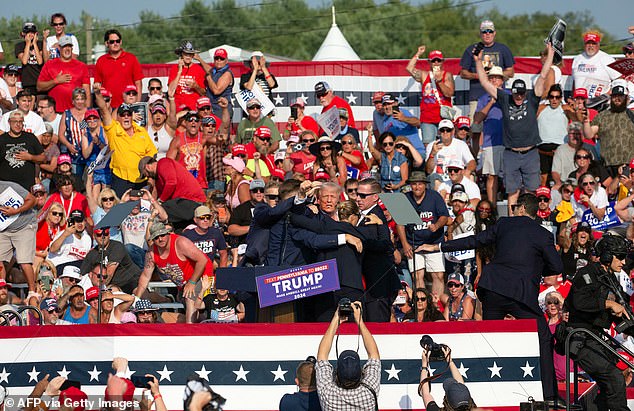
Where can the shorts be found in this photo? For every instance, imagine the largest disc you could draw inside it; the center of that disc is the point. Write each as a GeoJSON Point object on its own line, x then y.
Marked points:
{"type": "Point", "coordinates": [429, 132]}
{"type": "Point", "coordinates": [103, 178]}
{"type": "Point", "coordinates": [22, 242]}
{"type": "Point", "coordinates": [521, 170]}
{"type": "Point", "coordinates": [475, 128]}
{"type": "Point", "coordinates": [545, 160]}
{"type": "Point", "coordinates": [431, 262]}
{"type": "Point", "coordinates": [492, 163]}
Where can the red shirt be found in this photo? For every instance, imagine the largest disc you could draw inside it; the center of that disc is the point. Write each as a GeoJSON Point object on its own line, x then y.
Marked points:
{"type": "Point", "coordinates": [115, 74]}
{"type": "Point", "coordinates": [361, 167]}
{"type": "Point", "coordinates": [191, 154]}
{"type": "Point", "coordinates": [63, 92]}
{"type": "Point", "coordinates": [184, 94]}
{"type": "Point", "coordinates": [308, 123]}
{"type": "Point", "coordinates": [179, 271]}
{"type": "Point", "coordinates": [268, 159]}
{"type": "Point", "coordinates": [174, 181]}
{"type": "Point", "coordinates": [77, 201]}
{"type": "Point", "coordinates": [44, 236]}
{"type": "Point", "coordinates": [341, 103]}
{"type": "Point", "coordinates": [303, 163]}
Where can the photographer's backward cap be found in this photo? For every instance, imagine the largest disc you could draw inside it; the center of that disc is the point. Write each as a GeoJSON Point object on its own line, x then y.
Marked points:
{"type": "Point", "coordinates": [348, 367]}
{"type": "Point", "coordinates": [457, 393]}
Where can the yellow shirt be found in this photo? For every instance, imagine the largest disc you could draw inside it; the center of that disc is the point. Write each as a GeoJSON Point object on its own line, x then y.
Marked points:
{"type": "Point", "coordinates": [128, 150]}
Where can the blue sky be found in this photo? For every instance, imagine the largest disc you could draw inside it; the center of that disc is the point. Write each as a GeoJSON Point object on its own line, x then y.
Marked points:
{"type": "Point", "coordinates": [613, 15]}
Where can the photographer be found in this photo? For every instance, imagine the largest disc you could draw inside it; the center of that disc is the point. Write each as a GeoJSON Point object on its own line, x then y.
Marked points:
{"type": "Point", "coordinates": [350, 386]}
{"type": "Point", "coordinates": [306, 398]}
{"type": "Point", "coordinates": [596, 301]}
{"type": "Point", "coordinates": [457, 396]}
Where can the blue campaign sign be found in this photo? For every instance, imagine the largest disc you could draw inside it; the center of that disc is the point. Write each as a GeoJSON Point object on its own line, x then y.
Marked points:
{"type": "Point", "coordinates": [297, 282]}
{"type": "Point", "coordinates": [609, 220]}
{"type": "Point", "coordinates": [352, 172]}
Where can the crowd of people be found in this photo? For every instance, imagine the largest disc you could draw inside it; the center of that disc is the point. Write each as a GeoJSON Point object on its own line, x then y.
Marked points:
{"type": "Point", "coordinates": [195, 192]}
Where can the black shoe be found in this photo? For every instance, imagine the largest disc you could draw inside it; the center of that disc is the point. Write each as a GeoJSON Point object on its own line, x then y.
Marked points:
{"type": "Point", "coordinates": [556, 404]}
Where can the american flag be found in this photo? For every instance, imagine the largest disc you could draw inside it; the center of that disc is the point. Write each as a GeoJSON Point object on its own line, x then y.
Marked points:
{"type": "Point", "coordinates": [253, 365]}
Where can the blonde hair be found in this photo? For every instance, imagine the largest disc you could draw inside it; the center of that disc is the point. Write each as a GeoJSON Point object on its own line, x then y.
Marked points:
{"type": "Point", "coordinates": [346, 209]}
{"type": "Point", "coordinates": [110, 193]}
{"type": "Point", "coordinates": [58, 207]}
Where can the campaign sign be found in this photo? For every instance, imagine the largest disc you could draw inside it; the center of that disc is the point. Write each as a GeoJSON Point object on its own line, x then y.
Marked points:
{"type": "Point", "coordinates": [609, 219]}
{"type": "Point", "coordinates": [623, 66]}
{"type": "Point", "coordinates": [556, 37]}
{"type": "Point", "coordinates": [352, 172]}
{"type": "Point", "coordinates": [329, 121]}
{"type": "Point", "coordinates": [140, 109]}
{"type": "Point", "coordinates": [457, 256]}
{"type": "Point", "coordinates": [244, 96]}
{"type": "Point", "coordinates": [102, 159]}
{"type": "Point", "coordinates": [297, 282]}
{"type": "Point", "coordinates": [9, 198]}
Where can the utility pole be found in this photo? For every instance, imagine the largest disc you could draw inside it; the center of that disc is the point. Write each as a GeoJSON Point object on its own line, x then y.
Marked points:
{"type": "Point", "coordinates": [87, 20]}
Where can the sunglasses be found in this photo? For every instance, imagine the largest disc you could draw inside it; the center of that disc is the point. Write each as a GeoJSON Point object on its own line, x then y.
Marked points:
{"type": "Point", "coordinates": [445, 130]}
{"type": "Point", "coordinates": [99, 233]}
{"type": "Point", "coordinates": [588, 183]}
{"type": "Point", "coordinates": [620, 256]}
{"type": "Point", "coordinates": [436, 60]}
{"type": "Point", "coordinates": [74, 281]}
{"type": "Point", "coordinates": [555, 97]}
{"type": "Point", "coordinates": [347, 143]}
{"type": "Point", "coordinates": [488, 31]}
{"type": "Point", "coordinates": [144, 312]}
{"type": "Point", "coordinates": [422, 299]}
{"type": "Point", "coordinates": [272, 197]}
{"type": "Point", "coordinates": [364, 195]}
{"type": "Point", "coordinates": [388, 144]}
{"type": "Point", "coordinates": [205, 108]}
{"type": "Point", "coordinates": [552, 302]}
{"type": "Point", "coordinates": [107, 199]}
{"type": "Point", "coordinates": [218, 58]}
{"type": "Point", "coordinates": [542, 199]}
{"type": "Point", "coordinates": [484, 210]}
{"type": "Point", "coordinates": [117, 41]}
{"type": "Point", "coordinates": [162, 235]}
{"type": "Point", "coordinates": [567, 191]}
{"type": "Point", "coordinates": [58, 24]}
{"type": "Point", "coordinates": [257, 107]}
{"type": "Point", "coordinates": [265, 139]}
{"type": "Point", "coordinates": [192, 119]}
{"type": "Point", "coordinates": [125, 114]}
{"type": "Point", "coordinates": [453, 285]}
{"type": "Point", "coordinates": [584, 157]}
{"type": "Point", "coordinates": [154, 88]}
{"type": "Point", "coordinates": [156, 136]}
{"type": "Point", "coordinates": [325, 148]}
{"type": "Point", "coordinates": [257, 190]}
{"type": "Point", "coordinates": [453, 170]}
{"type": "Point", "coordinates": [308, 141]}
{"type": "Point", "coordinates": [40, 194]}
{"type": "Point", "coordinates": [351, 190]}
{"type": "Point", "coordinates": [320, 95]}
{"type": "Point", "coordinates": [106, 99]}
{"type": "Point", "coordinates": [400, 146]}
{"type": "Point", "coordinates": [204, 217]}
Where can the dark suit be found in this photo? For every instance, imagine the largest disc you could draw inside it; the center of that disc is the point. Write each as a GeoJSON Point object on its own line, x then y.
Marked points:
{"type": "Point", "coordinates": [381, 278]}
{"type": "Point", "coordinates": [510, 282]}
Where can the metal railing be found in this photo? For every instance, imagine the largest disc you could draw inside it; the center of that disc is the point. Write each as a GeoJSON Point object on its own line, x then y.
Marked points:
{"type": "Point", "coordinates": [22, 315]}
{"type": "Point", "coordinates": [600, 341]}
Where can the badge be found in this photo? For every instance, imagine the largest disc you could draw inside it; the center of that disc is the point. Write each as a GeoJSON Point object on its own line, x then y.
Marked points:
{"type": "Point", "coordinates": [396, 169]}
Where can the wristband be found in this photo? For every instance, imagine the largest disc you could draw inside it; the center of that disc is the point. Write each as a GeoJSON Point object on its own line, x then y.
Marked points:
{"type": "Point", "coordinates": [157, 396]}
{"type": "Point", "coordinates": [267, 77]}
{"type": "Point", "coordinates": [191, 282]}
{"type": "Point", "coordinates": [431, 156]}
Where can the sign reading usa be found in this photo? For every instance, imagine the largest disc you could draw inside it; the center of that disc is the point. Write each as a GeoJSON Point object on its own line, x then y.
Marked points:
{"type": "Point", "coordinates": [297, 282]}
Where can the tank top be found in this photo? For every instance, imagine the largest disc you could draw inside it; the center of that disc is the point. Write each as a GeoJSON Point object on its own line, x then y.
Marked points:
{"type": "Point", "coordinates": [455, 316]}
{"type": "Point", "coordinates": [84, 319]}
{"type": "Point", "coordinates": [429, 104]}
{"type": "Point", "coordinates": [179, 271]}
{"type": "Point", "coordinates": [215, 76]}
{"type": "Point", "coordinates": [192, 156]}
{"type": "Point", "coordinates": [234, 200]}
{"type": "Point", "coordinates": [73, 135]}
{"type": "Point", "coordinates": [161, 140]}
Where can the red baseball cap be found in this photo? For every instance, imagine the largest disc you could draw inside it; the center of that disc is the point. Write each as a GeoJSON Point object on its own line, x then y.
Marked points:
{"type": "Point", "coordinates": [632, 164]}
{"type": "Point", "coordinates": [543, 191]}
{"type": "Point", "coordinates": [105, 92]}
{"type": "Point", "coordinates": [203, 102]}
{"type": "Point", "coordinates": [3, 283]}
{"type": "Point", "coordinates": [220, 53]}
{"type": "Point", "coordinates": [92, 293]}
{"type": "Point", "coordinates": [238, 149]}
{"type": "Point", "coordinates": [73, 398]}
{"type": "Point", "coordinates": [591, 37]}
{"type": "Point", "coordinates": [262, 131]}
{"type": "Point", "coordinates": [580, 93]}
{"type": "Point", "coordinates": [463, 121]}
{"type": "Point", "coordinates": [435, 54]}
{"type": "Point", "coordinates": [130, 87]}
{"type": "Point", "coordinates": [321, 174]}
{"type": "Point", "coordinates": [378, 96]}
{"type": "Point", "coordinates": [279, 173]}
{"type": "Point", "coordinates": [91, 113]}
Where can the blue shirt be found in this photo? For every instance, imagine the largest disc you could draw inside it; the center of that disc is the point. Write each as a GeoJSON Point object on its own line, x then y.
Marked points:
{"type": "Point", "coordinates": [497, 54]}
{"type": "Point", "coordinates": [430, 209]}
{"type": "Point", "coordinates": [493, 125]}
{"type": "Point", "coordinates": [391, 170]}
{"type": "Point", "coordinates": [300, 401]}
{"type": "Point", "coordinates": [400, 128]}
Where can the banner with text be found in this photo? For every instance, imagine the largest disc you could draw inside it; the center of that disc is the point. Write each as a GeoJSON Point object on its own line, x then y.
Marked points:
{"type": "Point", "coordinates": [610, 218]}
{"type": "Point", "coordinates": [9, 198]}
{"type": "Point", "coordinates": [297, 282]}
{"type": "Point", "coordinates": [244, 96]}
{"type": "Point", "coordinates": [329, 121]}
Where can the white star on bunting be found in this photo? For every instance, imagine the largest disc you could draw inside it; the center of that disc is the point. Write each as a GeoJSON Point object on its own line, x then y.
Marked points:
{"type": "Point", "coordinates": [33, 375]}
{"type": "Point", "coordinates": [63, 373]}
{"type": "Point", "coordinates": [279, 374]}
{"type": "Point", "coordinates": [4, 375]}
{"type": "Point", "coordinates": [352, 99]}
{"type": "Point", "coordinates": [128, 372]}
{"type": "Point", "coordinates": [203, 373]}
{"type": "Point", "coordinates": [401, 99]}
{"type": "Point", "coordinates": [94, 374]}
{"type": "Point", "coordinates": [165, 374]}
{"type": "Point", "coordinates": [392, 373]}
{"type": "Point", "coordinates": [495, 370]}
{"type": "Point", "coordinates": [279, 100]}
{"type": "Point", "coordinates": [463, 370]}
{"type": "Point", "coordinates": [305, 98]}
{"type": "Point", "coordinates": [528, 370]}
{"type": "Point", "coordinates": [241, 374]}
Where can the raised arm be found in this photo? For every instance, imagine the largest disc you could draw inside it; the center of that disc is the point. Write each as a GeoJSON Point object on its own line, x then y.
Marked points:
{"type": "Point", "coordinates": [411, 65]}
{"type": "Point", "coordinates": [483, 77]}
{"type": "Point", "coordinates": [106, 115]}
{"type": "Point", "coordinates": [325, 345]}
{"type": "Point", "coordinates": [539, 84]}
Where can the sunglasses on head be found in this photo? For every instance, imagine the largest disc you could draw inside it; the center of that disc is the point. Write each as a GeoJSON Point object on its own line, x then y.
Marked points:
{"type": "Point", "coordinates": [399, 146]}
{"type": "Point", "coordinates": [445, 130]}
{"type": "Point", "coordinates": [204, 217]}
{"type": "Point", "coordinates": [388, 143]}
{"type": "Point", "coordinates": [364, 195]}
{"type": "Point", "coordinates": [453, 285]}
{"type": "Point", "coordinates": [542, 199]}
{"type": "Point", "coordinates": [117, 41]}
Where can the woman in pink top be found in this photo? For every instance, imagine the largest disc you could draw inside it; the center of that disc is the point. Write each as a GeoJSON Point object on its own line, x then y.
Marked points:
{"type": "Point", "coordinates": [238, 187]}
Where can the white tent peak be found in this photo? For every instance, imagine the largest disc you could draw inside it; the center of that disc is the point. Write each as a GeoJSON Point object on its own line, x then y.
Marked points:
{"type": "Point", "coordinates": [335, 46]}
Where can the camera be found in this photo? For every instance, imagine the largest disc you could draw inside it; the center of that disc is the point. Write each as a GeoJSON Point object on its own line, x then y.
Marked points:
{"type": "Point", "coordinates": [294, 112]}
{"type": "Point", "coordinates": [396, 109]}
{"type": "Point", "coordinates": [478, 48]}
{"type": "Point", "coordinates": [298, 147]}
{"type": "Point", "coordinates": [435, 350]}
{"type": "Point", "coordinates": [178, 51]}
{"type": "Point", "coordinates": [345, 308]}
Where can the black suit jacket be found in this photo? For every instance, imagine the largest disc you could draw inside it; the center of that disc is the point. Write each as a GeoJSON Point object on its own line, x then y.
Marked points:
{"type": "Point", "coordinates": [524, 252]}
{"type": "Point", "coordinates": [381, 278]}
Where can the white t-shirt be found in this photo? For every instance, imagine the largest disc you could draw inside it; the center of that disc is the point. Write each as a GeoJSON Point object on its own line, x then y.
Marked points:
{"type": "Point", "coordinates": [593, 73]}
{"type": "Point", "coordinates": [599, 198]}
{"type": "Point", "coordinates": [54, 123]}
{"type": "Point", "coordinates": [51, 42]}
{"type": "Point", "coordinates": [33, 123]}
{"type": "Point", "coordinates": [553, 125]}
{"type": "Point", "coordinates": [72, 248]}
{"type": "Point", "coordinates": [564, 161]}
{"type": "Point", "coordinates": [457, 150]}
{"type": "Point", "coordinates": [471, 188]}
{"type": "Point", "coordinates": [5, 93]}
